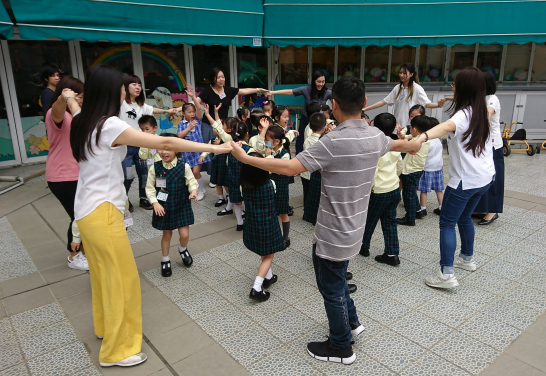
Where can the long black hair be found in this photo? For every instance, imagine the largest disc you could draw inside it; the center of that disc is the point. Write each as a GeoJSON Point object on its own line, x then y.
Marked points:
{"type": "Point", "coordinates": [253, 177]}
{"type": "Point", "coordinates": [409, 68]}
{"type": "Point", "coordinates": [316, 93]}
{"type": "Point", "coordinates": [470, 96]}
{"type": "Point", "coordinates": [102, 93]}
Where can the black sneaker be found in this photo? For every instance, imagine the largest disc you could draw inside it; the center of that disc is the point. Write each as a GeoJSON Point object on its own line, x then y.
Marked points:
{"type": "Point", "coordinates": [186, 257]}
{"type": "Point", "coordinates": [220, 202]}
{"type": "Point", "coordinates": [352, 288]}
{"type": "Point", "coordinates": [356, 329]}
{"type": "Point", "coordinates": [131, 207]}
{"type": "Point", "coordinates": [386, 259]}
{"type": "Point", "coordinates": [268, 282]}
{"type": "Point", "coordinates": [240, 227]}
{"type": "Point", "coordinates": [290, 211]}
{"type": "Point", "coordinates": [224, 212]}
{"type": "Point", "coordinates": [285, 243]}
{"type": "Point", "coordinates": [261, 296]}
{"type": "Point", "coordinates": [349, 276]}
{"type": "Point", "coordinates": [323, 351]}
{"type": "Point", "coordinates": [364, 252]}
{"type": "Point", "coordinates": [145, 204]}
{"type": "Point", "coordinates": [166, 270]}
{"type": "Point", "coordinates": [437, 211]}
{"type": "Point", "coordinates": [421, 214]}
{"type": "Point", "coordinates": [404, 221]}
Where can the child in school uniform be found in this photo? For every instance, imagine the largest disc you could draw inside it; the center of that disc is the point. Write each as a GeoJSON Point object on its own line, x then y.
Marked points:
{"type": "Point", "coordinates": [170, 187]}
{"type": "Point", "coordinates": [281, 116]}
{"type": "Point", "coordinates": [148, 124]}
{"type": "Point", "coordinates": [257, 142]}
{"type": "Point", "coordinates": [262, 233]}
{"type": "Point", "coordinates": [412, 169]}
{"type": "Point", "coordinates": [218, 173]}
{"type": "Point", "coordinates": [317, 123]}
{"type": "Point", "coordinates": [433, 175]}
{"type": "Point", "coordinates": [268, 106]}
{"type": "Point", "coordinates": [189, 128]}
{"type": "Point", "coordinates": [239, 133]}
{"type": "Point", "coordinates": [384, 198]}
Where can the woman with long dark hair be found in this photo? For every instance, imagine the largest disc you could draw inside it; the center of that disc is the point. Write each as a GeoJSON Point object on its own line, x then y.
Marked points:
{"type": "Point", "coordinates": [315, 92]}
{"type": "Point", "coordinates": [405, 95]}
{"type": "Point", "coordinates": [471, 172]}
{"type": "Point", "coordinates": [62, 170]}
{"type": "Point", "coordinates": [98, 139]}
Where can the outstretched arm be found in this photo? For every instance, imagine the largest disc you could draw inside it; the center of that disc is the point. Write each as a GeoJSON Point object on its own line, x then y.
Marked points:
{"type": "Point", "coordinates": [381, 103]}
{"type": "Point", "coordinates": [279, 166]}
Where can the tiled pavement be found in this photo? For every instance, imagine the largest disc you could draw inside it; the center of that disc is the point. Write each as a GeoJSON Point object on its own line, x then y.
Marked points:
{"type": "Point", "coordinates": [200, 321]}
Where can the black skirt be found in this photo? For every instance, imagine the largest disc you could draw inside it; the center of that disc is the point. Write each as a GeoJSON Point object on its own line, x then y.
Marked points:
{"type": "Point", "coordinates": [493, 199]}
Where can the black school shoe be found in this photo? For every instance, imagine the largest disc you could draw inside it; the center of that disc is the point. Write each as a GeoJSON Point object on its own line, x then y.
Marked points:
{"type": "Point", "coordinates": [364, 251]}
{"type": "Point", "coordinates": [404, 221]}
{"type": "Point", "coordinates": [352, 288]}
{"type": "Point", "coordinates": [285, 243]}
{"type": "Point", "coordinates": [131, 207]}
{"type": "Point", "coordinates": [349, 276]}
{"type": "Point", "coordinates": [240, 227]}
{"type": "Point", "coordinates": [224, 212]}
{"type": "Point", "coordinates": [322, 351]}
{"type": "Point", "coordinates": [145, 204]}
{"type": "Point", "coordinates": [421, 214]}
{"type": "Point", "coordinates": [261, 296]}
{"type": "Point", "coordinates": [437, 211]}
{"type": "Point", "coordinates": [268, 282]}
{"type": "Point", "coordinates": [186, 257]}
{"type": "Point", "coordinates": [166, 270]}
{"type": "Point", "coordinates": [386, 259]}
{"type": "Point", "coordinates": [220, 203]}
{"type": "Point", "coordinates": [290, 211]}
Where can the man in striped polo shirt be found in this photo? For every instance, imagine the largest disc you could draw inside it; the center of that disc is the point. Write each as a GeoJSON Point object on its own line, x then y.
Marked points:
{"type": "Point", "coordinates": [347, 159]}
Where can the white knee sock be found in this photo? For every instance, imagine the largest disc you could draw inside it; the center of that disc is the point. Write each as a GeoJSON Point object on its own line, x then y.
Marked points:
{"type": "Point", "coordinates": [238, 213]}
{"type": "Point", "coordinates": [269, 274]}
{"type": "Point", "coordinates": [229, 205]}
{"type": "Point", "coordinates": [200, 182]}
{"type": "Point", "coordinates": [258, 283]}
{"type": "Point", "coordinates": [243, 206]}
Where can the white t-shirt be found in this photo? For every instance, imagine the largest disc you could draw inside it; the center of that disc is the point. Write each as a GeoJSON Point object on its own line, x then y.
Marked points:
{"type": "Point", "coordinates": [435, 161]}
{"type": "Point", "coordinates": [402, 105]}
{"type": "Point", "coordinates": [474, 172]}
{"type": "Point", "coordinates": [130, 113]}
{"type": "Point", "coordinates": [494, 123]}
{"type": "Point", "coordinates": [101, 176]}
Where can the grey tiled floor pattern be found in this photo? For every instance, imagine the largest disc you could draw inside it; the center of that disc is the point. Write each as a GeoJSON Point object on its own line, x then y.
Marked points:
{"type": "Point", "coordinates": [14, 260]}
{"type": "Point", "coordinates": [42, 342]}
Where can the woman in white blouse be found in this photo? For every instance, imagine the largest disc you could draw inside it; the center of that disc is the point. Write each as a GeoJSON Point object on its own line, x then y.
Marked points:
{"type": "Point", "coordinates": [99, 140]}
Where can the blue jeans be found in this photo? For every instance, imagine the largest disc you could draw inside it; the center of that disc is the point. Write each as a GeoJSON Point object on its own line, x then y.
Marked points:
{"type": "Point", "coordinates": [141, 169]}
{"type": "Point", "coordinates": [340, 309]}
{"type": "Point", "coordinates": [457, 208]}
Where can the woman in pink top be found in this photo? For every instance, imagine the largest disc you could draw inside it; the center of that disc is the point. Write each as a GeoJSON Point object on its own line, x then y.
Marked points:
{"type": "Point", "coordinates": [62, 170]}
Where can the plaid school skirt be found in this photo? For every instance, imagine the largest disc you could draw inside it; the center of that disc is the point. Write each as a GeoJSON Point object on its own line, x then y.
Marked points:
{"type": "Point", "coordinates": [219, 170]}
{"type": "Point", "coordinates": [431, 181]}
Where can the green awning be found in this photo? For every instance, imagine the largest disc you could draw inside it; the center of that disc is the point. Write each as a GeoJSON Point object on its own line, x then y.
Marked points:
{"type": "Point", "coordinates": [222, 22]}
{"type": "Point", "coordinates": [398, 23]}
{"type": "Point", "coordinates": [6, 26]}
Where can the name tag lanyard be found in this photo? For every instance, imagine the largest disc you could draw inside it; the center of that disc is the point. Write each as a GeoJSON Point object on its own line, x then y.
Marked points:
{"type": "Point", "coordinates": [162, 183]}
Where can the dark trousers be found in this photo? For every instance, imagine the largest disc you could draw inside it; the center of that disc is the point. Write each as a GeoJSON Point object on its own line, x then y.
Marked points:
{"type": "Point", "coordinates": [409, 193]}
{"type": "Point", "coordinates": [382, 207]}
{"type": "Point", "coordinates": [332, 283]}
{"type": "Point", "coordinates": [304, 121]}
{"type": "Point", "coordinates": [65, 192]}
{"type": "Point", "coordinates": [141, 169]}
{"type": "Point", "coordinates": [305, 184]}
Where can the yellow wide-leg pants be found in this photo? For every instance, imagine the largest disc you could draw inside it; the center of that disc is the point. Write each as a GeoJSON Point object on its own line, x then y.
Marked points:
{"type": "Point", "coordinates": [115, 284]}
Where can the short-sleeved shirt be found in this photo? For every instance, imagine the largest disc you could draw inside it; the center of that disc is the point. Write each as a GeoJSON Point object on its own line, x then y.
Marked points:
{"type": "Point", "coordinates": [101, 176]}
{"type": "Point", "coordinates": [435, 161]}
{"type": "Point", "coordinates": [130, 113]}
{"type": "Point", "coordinates": [494, 124]}
{"type": "Point", "coordinates": [473, 172]}
{"type": "Point", "coordinates": [402, 103]}
{"type": "Point", "coordinates": [60, 163]}
{"type": "Point", "coordinates": [346, 158]}
{"type": "Point", "coordinates": [209, 97]}
{"type": "Point", "coordinates": [306, 92]}
{"type": "Point", "coordinates": [47, 94]}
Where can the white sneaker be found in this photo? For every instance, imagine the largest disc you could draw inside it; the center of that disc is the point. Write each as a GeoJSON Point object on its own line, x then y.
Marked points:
{"type": "Point", "coordinates": [200, 195]}
{"type": "Point", "coordinates": [441, 282]}
{"type": "Point", "coordinates": [466, 265]}
{"type": "Point", "coordinates": [212, 185]}
{"type": "Point", "coordinates": [128, 362]}
{"type": "Point", "coordinates": [78, 263]}
{"type": "Point", "coordinates": [84, 258]}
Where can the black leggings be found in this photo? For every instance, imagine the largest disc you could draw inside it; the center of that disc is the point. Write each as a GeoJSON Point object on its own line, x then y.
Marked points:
{"type": "Point", "coordinates": [65, 191]}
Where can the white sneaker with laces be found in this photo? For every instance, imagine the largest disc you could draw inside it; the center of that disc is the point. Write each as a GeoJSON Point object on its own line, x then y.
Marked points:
{"type": "Point", "coordinates": [78, 263]}
{"type": "Point", "coordinates": [466, 265]}
{"type": "Point", "coordinates": [441, 282]}
{"type": "Point", "coordinates": [84, 258]}
{"type": "Point", "coordinates": [128, 362]}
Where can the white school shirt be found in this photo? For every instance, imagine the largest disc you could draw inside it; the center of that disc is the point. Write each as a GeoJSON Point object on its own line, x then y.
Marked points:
{"type": "Point", "coordinates": [435, 161]}
{"type": "Point", "coordinates": [402, 105]}
{"type": "Point", "coordinates": [130, 113]}
{"type": "Point", "coordinates": [474, 172]}
{"type": "Point", "coordinates": [494, 123]}
{"type": "Point", "coordinates": [101, 176]}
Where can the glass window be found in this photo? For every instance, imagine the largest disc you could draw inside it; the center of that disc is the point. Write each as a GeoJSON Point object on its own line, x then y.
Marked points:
{"type": "Point", "coordinates": [539, 63]}
{"type": "Point", "coordinates": [348, 61]}
{"type": "Point", "coordinates": [204, 59]}
{"type": "Point", "coordinates": [251, 72]}
{"type": "Point", "coordinates": [376, 64]}
{"type": "Point", "coordinates": [6, 141]}
{"type": "Point", "coordinates": [323, 60]}
{"type": "Point", "coordinates": [516, 64]}
{"type": "Point", "coordinates": [461, 57]}
{"type": "Point", "coordinates": [431, 63]}
{"type": "Point", "coordinates": [117, 55]}
{"type": "Point", "coordinates": [27, 59]}
{"type": "Point", "coordinates": [489, 58]}
{"type": "Point", "coordinates": [401, 55]}
{"type": "Point", "coordinates": [294, 65]}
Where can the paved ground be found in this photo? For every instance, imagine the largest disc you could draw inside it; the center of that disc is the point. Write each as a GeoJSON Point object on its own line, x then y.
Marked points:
{"type": "Point", "coordinates": [200, 322]}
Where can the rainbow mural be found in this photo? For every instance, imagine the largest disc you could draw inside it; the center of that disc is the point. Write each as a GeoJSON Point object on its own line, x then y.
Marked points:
{"type": "Point", "coordinates": [147, 53]}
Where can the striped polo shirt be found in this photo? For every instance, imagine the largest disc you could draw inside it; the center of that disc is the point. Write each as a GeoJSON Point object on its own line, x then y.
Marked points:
{"type": "Point", "coordinates": [346, 158]}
